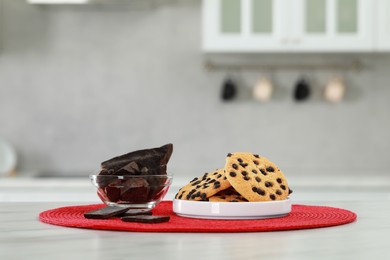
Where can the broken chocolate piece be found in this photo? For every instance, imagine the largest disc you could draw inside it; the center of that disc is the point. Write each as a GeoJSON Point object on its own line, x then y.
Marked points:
{"type": "Point", "coordinates": [146, 159]}
{"type": "Point", "coordinates": [146, 219]}
{"type": "Point", "coordinates": [130, 168]}
{"type": "Point", "coordinates": [136, 212]}
{"type": "Point", "coordinates": [106, 212]}
{"type": "Point", "coordinates": [142, 186]}
{"type": "Point", "coordinates": [113, 193]}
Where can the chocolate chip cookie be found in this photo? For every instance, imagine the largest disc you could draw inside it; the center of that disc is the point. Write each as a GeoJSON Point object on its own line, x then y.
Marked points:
{"type": "Point", "coordinates": [255, 177]}
{"type": "Point", "coordinates": [228, 195]}
{"type": "Point", "coordinates": [204, 187]}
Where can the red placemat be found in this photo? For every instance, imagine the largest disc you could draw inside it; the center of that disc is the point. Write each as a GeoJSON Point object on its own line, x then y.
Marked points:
{"type": "Point", "coordinates": [301, 217]}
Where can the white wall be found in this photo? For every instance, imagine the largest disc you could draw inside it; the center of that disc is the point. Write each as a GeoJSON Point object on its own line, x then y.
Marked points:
{"type": "Point", "coordinates": [80, 84]}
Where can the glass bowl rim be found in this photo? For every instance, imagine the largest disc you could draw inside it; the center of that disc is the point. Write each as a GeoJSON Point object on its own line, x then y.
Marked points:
{"type": "Point", "coordinates": [132, 176]}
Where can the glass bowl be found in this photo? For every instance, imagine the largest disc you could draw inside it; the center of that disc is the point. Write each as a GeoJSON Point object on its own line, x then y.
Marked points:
{"type": "Point", "coordinates": [134, 191]}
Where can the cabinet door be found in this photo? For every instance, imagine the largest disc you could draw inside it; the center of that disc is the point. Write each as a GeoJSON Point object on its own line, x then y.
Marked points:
{"type": "Point", "coordinates": [332, 25]}
{"type": "Point", "coordinates": [243, 25]}
{"type": "Point", "coordinates": [383, 25]}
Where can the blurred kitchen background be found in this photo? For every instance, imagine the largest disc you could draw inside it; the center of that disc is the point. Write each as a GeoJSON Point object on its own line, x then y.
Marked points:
{"type": "Point", "coordinates": [81, 83]}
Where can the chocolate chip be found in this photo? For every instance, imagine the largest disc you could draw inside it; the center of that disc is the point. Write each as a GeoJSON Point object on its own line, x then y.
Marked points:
{"type": "Point", "coordinates": [247, 178]}
{"type": "Point", "coordinates": [290, 191]}
{"type": "Point", "coordinates": [193, 196]}
{"type": "Point", "coordinates": [233, 174]}
{"type": "Point", "coordinates": [195, 179]}
{"type": "Point", "coordinates": [256, 162]}
{"type": "Point", "coordinates": [279, 180]}
{"type": "Point", "coordinates": [215, 173]}
{"type": "Point", "coordinates": [219, 176]}
{"type": "Point", "coordinates": [254, 171]}
{"type": "Point", "coordinates": [268, 184]}
{"type": "Point", "coordinates": [203, 196]}
{"type": "Point", "coordinates": [260, 191]}
{"type": "Point", "coordinates": [254, 189]}
{"type": "Point", "coordinates": [189, 195]}
{"type": "Point", "coordinates": [212, 180]}
{"type": "Point", "coordinates": [235, 166]}
{"type": "Point", "coordinates": [244, 173]}
{"type": "Point", "coordinates": [239, 160]}
{"type": "Point", "coordinates": [224, 178]}
{"type": "Point", "coordinates": [270, 169]}
{"type": "Point", "coordinates": [180, 197]}
{"type": "Point", "coordinates": [198, 186]}
{"type": "Point", "coordinates": [243, 165]}
{"type": "Point", "coordinates": [205, 186]}
{"type": "Point", "coordinates": [195, 183]}
{"type": "Point", "coordinates": [283, 187]}
{"type": "Point", "coordinates": [272, 196]}
{"type": "Point", "coordinates": [217, 184]}
{"type": "Point", "coordinates": [256, 155]}
{"type": "Point", "coordinates": [263, 172]}
{"type": "Point", "coordinates": [258, 179]}
{"type": "Point", "coordinates": [229, 154]}
{"type": "Point", "coordinates": [208, 179]}
{"type": "Point", "coordinates": [279, 192]}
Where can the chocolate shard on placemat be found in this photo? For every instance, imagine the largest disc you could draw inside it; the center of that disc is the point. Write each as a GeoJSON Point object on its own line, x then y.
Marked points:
{"type": "Point", "coordinates": [106, 212]}
{"type": "Point", "coordinates": [135, 212]}
{"type": "Point", "coordinates": [146, 219]}
{"type": "Point", "coordinates": [147, 158]}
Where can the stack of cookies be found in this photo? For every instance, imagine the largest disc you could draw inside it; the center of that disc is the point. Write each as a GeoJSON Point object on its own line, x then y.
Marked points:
{"type": "Point", "coordinates": [246, 177]}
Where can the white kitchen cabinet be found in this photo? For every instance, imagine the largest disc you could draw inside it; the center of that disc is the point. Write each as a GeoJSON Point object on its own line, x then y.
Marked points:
{"type": "Point", "coordinates": [288, 25]}
{"type": "Point", "coordinates": [229, 25]}
{"type": "Point", "coordinates": [49, 2]}
{"type": "Point", "coordinates": [383, 25]}
{"type": "Point", "coordinates": [331, 25]}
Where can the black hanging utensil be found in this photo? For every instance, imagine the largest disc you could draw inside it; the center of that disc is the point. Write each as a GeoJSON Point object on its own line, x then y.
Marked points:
{"type": "Point", "coordinates": [302, 90]}
{"type": "Point", "coordinates": [229, 90]}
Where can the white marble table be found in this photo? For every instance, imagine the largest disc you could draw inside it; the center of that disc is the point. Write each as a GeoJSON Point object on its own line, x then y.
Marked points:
{"type": "Point", "coordinates": [22, 236]}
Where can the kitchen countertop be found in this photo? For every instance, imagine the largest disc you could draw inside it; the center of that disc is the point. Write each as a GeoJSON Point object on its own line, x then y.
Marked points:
{"type": "Point", "coordinates": [315, 188]}
{"type": "Point", "coordinates": [22, 236]}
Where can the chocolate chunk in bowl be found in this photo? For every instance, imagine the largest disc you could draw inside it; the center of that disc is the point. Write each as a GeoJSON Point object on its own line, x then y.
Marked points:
{"type": "Point", "coordinates": [139, 191]}
{"type": "Point", "coordinates": [146, 158]}
{"type": "Point", "coordinates": [138, 179]}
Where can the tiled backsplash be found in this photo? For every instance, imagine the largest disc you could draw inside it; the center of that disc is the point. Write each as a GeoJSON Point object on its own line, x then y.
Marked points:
{"type": "Point", "coordinates": [79, 84]}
